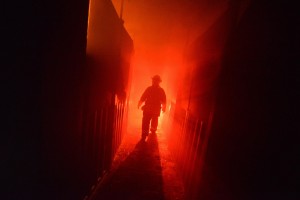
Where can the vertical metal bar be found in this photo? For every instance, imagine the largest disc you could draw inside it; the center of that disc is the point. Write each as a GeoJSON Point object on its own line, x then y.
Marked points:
{"type": "Point", "coordinates": [105, 139]}
{"type": "Point", "coordinates": [183, 143]}
{"type": "Point", "coordinates": [190, 152]}
{"type": "Point", "coordinates": [185, 150]}
{"type": "Point", "coordinates": [196, 151]}
{"type": "Point", "coordinates": [181, 137]}
{"type": "Point", "coordinates": [113, 133]}
{"type": "Point", "coordinates": [94, 139]}
{"type": "Point", "coordinates": [117, 127]}
{"type": "Point", "coordinates": [120, 123]}
{"type": "Point", "coordinates": [100, 144]}
{"type": "Point", "coordinates": [104, 131]}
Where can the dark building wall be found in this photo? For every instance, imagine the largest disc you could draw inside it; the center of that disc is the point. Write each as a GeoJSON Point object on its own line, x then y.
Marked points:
{"type": "Point", "coordinates": [251, 151]}
{"type": "Point", "coordinates": [45, 98]}
{"type": "Point", "coordinates": [194, 108]}
{"type": "Point", "coordinates": [21, 124]}
{"type": "Point", "coordinates": [44, 54]}
{"type": "Point", "coordinates": [235, 122]}
{"type": "Point", "coordinates": [109, 49]}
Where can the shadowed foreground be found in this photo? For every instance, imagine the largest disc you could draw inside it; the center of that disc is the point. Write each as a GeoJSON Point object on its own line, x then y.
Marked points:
{"type": "Point", "coordinates": [139, 176]}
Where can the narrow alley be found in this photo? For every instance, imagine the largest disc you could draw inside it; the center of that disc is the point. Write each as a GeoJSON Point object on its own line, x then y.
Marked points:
{"type": "Point", "coordinates": [82, 79]}
{"type": "Point", "coordinates": [141, 170]}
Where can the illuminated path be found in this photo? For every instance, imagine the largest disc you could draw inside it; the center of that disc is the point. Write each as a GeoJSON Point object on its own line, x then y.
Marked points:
{"type": "Point", "coordinates": [141, 170]}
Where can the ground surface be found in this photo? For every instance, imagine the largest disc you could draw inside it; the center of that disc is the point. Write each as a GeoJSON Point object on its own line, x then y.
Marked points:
{"type": "Point", "coordinates": [142, 171]}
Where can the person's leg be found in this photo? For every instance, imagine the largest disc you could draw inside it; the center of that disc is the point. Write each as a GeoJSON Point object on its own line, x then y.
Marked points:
{"type": "Point", "coordinates": [145, 125]}
{"type": "Point", "coordinates": [154, 123]}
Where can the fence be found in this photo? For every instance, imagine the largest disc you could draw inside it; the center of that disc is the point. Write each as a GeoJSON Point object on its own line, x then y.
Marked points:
{"type": "Point", "coordinates": [102, 137]}
{"type": "Point", "coordinates": [187, 143]}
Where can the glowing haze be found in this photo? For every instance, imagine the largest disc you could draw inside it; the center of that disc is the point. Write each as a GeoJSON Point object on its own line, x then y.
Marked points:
{"type": "Point", "coordinates": [161, 31]}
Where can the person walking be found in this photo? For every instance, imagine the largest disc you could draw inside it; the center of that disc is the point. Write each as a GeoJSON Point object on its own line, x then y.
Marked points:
{"type": "Point", "coordinates": [155, 100]}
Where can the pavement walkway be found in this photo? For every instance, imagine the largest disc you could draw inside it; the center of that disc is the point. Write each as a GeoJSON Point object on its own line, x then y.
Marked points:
{"type": "Point", "coordinates": [141, 171]}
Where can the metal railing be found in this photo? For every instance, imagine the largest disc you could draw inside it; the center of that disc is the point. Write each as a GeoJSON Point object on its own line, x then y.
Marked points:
{"type": "Point", "coordinates": [101, 138]}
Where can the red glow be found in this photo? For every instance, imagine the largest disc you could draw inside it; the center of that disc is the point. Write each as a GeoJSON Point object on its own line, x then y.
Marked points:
{"type": "Point", "coordinates": [183, 43]}
{"type": "Point", "coordinates": [162, 33]}
{"type": "Point", "coordinates": [141, 78]}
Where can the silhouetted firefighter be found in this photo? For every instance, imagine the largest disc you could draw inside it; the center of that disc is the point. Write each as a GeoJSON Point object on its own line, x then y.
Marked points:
{"type": "Point", "coordinates": [155, 101]}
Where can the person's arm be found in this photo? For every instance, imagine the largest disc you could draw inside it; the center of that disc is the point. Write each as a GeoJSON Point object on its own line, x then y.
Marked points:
{"type": "Point", "coordinates": [139, 104]}
{"type": "Point", "coordinates": [143, 98]}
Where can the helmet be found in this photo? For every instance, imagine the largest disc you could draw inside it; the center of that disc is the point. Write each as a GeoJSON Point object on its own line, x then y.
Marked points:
{"type": "Point", "coordinates": [156, 78]}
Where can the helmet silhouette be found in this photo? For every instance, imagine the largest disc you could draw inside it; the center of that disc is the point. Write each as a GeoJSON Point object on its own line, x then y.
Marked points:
{"type": "Point", "coordinates": [156, 78]}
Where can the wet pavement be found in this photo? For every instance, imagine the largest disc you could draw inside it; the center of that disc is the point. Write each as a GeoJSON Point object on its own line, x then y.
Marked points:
{"type": "Point", "coordinates": [141, 170]}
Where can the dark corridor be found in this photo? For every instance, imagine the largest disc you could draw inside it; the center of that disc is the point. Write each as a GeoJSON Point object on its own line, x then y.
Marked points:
{"type": "Point", "coordinates": [232, 121]}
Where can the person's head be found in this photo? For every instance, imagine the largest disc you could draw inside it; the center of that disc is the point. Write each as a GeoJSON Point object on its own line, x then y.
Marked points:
{"type": "Point", "coordinates": [156, 80]}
